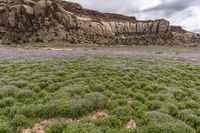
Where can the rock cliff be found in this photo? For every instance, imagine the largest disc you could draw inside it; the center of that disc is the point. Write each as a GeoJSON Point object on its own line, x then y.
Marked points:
{"type": "Point", "coordinates": [24, 21]}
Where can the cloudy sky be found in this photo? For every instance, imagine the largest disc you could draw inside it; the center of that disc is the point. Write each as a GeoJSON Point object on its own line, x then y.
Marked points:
{"type": "Point", "coordinates": [185, 13]}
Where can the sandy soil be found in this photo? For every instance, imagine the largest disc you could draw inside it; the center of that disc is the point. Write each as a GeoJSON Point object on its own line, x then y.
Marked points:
{"type": "Point", "coordinates": [189, 54]}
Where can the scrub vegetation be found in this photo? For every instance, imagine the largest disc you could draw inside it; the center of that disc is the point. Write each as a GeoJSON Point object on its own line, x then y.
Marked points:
{"type": "Point", "coordinates": [161, 96]}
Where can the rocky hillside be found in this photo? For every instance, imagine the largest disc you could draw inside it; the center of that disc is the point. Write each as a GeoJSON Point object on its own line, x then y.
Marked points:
{"type": "Point", "coordinates": [24, 21]}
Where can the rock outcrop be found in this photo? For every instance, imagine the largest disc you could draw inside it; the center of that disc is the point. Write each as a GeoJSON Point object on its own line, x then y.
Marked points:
{"type": "Point", "coordinates": [24, 21]}
{"type": "Point", "coordinates": [184, 36]}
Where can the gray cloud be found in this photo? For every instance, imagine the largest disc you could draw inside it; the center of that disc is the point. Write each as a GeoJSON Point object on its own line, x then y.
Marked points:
{"type": "Point", "coordinates": [185, 13]}
{"type": "Point", "coordinates": [196, 30]}
{"type": "Point", "coordinates": [171, 7]}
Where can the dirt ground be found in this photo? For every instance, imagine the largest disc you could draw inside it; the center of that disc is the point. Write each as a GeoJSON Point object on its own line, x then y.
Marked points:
{"type": "Point", "coordinates": [177, 53]}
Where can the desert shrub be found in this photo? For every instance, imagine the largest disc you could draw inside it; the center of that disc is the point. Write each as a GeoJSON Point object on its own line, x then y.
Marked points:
{"type": "Point", "coordinates": [113, 122]}
{"type": "Point", "coordinates": [20, 121]}
{"type": "Point", "coordinates": [153, 105]}
{"type": "Point", "coordinates": [160, 97]}
{"type": "Point", "coordinates": [78, 89]}
{"type": "Point", "coordinates": [20, 83]}
{"type": "Point", "coordinates": [73, 108]}
{"type": "Point", "coordinates": [53, 87]}
{"type": "Point", "coordinates": [192, 104]}
{"type": "Point", "coordinates": [173, 110]}
{"type": "Point", "coordinates": [167, 128]}
{"type": "Point", "coordinates": [97, 100]}
{"type": "Point", "coordinates": [34, 87]}
{"type": "Point", "coordinates": [98, 87]}
{"type": "Point", "coordinates": [44, 84]}
{"type": "Point", "coordinates": [152, 97]}
{"type": "Point", "coordinates": [179, 95]}
{"type": "Point", "coordinates": [190, 119]}
{"type": "Point", "coordinates": [197, 112]}
{"type": "Point", "coordinates": [108, 93]}
{"type": "Point", "coordinates": [138, 106]}
{"type": "Point", "coordinates": [160, 122]}
{"type": "Point", "coordinates": [57, 127]}
{"type": "Point", "coordinates": [8, 101]}
{"type": "Point", "coordinates": [140, 97]}
{"type": "Point", "coordinates": [82, 128]}
{"type": "Point", "coordinates": [5, 127]}
{"type": "Point", "coordinates": [23, 95]}
{"type": "Point", "coordinates": [122, 113]}
{"type": "Point", "coordinates": [39, 111]}
{"type": "Point", "coordinates": [121, 102]}
{"type": "Point", "coordinates": [6, 91]}
{"type": "Point", "coordinates": [79, 107]}
{"type": "Point", "coordinates": [154, 88]}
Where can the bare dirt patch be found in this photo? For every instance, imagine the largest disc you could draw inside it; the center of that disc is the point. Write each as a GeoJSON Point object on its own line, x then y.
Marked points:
{"type": "Point", "coordinates": [39, 127]}
{"type": "Point", "coordinates": [129, 100]}
{"type": "Point", "coordinates": [131, 124]}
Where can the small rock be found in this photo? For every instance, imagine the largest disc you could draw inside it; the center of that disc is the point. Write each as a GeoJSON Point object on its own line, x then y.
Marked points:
{"type": "Point", "coordinates": [100, 115]}
{"type": "Point", "coordinates": [131, 124]}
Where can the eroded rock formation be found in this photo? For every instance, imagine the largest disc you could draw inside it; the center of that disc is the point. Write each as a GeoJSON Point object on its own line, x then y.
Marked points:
{"type": "Point", "coordinates": [24, 21]}
{"type": "Point", "coordinates": [184, 36]}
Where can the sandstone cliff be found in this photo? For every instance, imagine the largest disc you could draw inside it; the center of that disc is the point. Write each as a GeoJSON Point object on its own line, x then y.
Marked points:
{"type": "Point", "coordinates": [184, 36]}
{"type": "Point", "coordinates": [24, 21]}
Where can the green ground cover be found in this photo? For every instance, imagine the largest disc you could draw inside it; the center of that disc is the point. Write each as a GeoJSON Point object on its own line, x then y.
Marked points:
{"type": "Point", "coordinates": [165, 94]}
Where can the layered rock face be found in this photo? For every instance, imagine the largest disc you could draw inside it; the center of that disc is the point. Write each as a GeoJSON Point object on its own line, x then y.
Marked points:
{"type": "Point", "coordinates": [184, 36]}
{"type": "Point", "coordinates": [27, 21]}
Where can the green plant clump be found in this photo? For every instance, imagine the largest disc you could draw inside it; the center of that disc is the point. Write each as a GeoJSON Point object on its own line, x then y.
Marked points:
{"type": "Point", "coordinates": [161, 96]}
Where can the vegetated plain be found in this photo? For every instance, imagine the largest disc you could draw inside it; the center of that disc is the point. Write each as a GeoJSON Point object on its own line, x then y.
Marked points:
{"type": "Point", "coordinates": [159, 95]}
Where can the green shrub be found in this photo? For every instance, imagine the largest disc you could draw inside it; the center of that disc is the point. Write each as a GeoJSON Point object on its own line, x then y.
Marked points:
{"type": "Point", "coordinates": [82, 128]}
{"type": "Point", "coordinates": [192, 104]}
{"type": "Point", "coordinates": [108, 93]}
{"type": "Point", "coordinates": [23, 95]}
{"type": "Point", "coordinates": [97, 100]}
{"type": "Point", "coordinates": [121, 102]}
{"type": "Point", "coordinates": [34, 87]}
{"type": "Point", "coordinates": [20, 83]}
{"type": "Point", "coordinates": [53, 87]}
{"type": "Point", "coordinates": [20, 121]}
{"type": "Point", "coordinates": [153, 105]}
{"type": "Point", "coordinates": [113, 122]}
{"type": "Point", "coordinates": [98, 87]}
{"type": "Point", "coordinates": [154, 88]}
{"type": "Point", "coordinates": [5, 127]}
{"type": "Point", "coordinates": [138, 106]}
{"type": "Point", "coordinates": [179, 95]}
{"type": "Point", "coordinates": [8, 101]}
{"type": "Point", "coordinates": [140, 97]}
{"type": "Point", "coordinates": [80, 107]}
{"type": "Point", "coordinates": [122, 111]}
{"type": "Point", "coordinates": [57, 127]}
{"type": "Point", "coordinates": [160, 122]}
{"type": "Point", "coordinates": [6, 91]}
{"type": "Point", "coordinates": [188, 118]}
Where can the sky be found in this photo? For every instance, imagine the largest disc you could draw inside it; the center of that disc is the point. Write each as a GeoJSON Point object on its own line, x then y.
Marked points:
{"type": "Point", "coordinates": [185, 13]}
